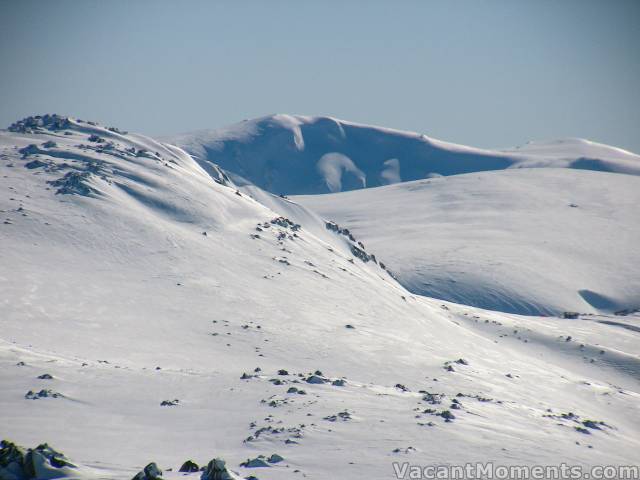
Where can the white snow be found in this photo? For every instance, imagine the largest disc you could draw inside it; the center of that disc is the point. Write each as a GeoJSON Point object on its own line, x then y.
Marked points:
{"type": "Point", "coordinates": [391, 173]}
{"type": "Point", "coordinates": [332, 166]}
{"type": "Point", "coordinates": [115, 291]}
{"type": "Point", "coordinates": [539, 241]}
{"type": "Point", "coordinates": [292, 123]}
{"type": "Point", "coordinates": [285, 154]}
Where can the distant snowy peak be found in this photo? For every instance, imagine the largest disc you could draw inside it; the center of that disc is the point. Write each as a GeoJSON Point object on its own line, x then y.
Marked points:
{"type": "Point", "coordinates": [577, 153]}
{"type": "Point", "coordinates": [293, 154]}
{"type": "Point", "coordinates": [573, 147]}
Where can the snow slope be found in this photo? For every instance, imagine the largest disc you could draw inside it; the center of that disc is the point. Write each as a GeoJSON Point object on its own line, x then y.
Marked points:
{"type": "Point", "coordinates": [109, 284]}
{"type": "Point", "coordinates": [539, 241]}
{"type": "Point", "coordinates": [292, 154]}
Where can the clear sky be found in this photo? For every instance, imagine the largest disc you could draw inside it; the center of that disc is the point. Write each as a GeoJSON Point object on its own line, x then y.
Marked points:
{"type": "Point", "coordinates": [483, 73]}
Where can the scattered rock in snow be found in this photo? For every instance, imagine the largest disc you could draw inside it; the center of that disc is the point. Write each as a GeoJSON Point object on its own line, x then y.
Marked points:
{"type": "Point", "coordinates": [592, 424]}
{"type": "Point", "coordinates": [432, 398]}
{"type": "Point", "coordinates": [118, 131]}
{"type": "Point", "coordinates": [321, 274]}
{"type": "Point", "coordinates": [361, 254]}
{"type": "Point", "coordinates": [42, 462]}
{"type": "Point", "coordinates": [40, 124]}
{"type": "Point", "coordinates": [404, 450]}
{"type": "Point", "coordinates": [315, 379]}
{"type": "Point", "coordinates": [189, 466]}
{"type": "Point", "coordinates": [285, 223]}
{"type": "Point", "coordinates": [344, 416]}
{"type": "Point", "coordinates": [275, 402]}
{"type": "Point", "coordinates": [31, 149]}
{"type": "Point", "coordinates": [170, 403]}
{"type": "Point", "coordinates": [74, 183]}
{"type": "Point", "coordinates": [275, 458]}
{"type": "Point", "coordinates": [44, 393]}
{"type": "Point", "coordinates": [334, 227]}
{"type": "Point", "coordinates": [150, 472]}
{"type": "Point", "coordinates": [447, 415]}
{"type": "Point", "coordinates": [269, 430]}
{"type": "Point", "coordinates": [581, 426]}
{"type": "Point", "coordinates": [296, 390]}
{"type": "Point", "coordinates": [33, 164]}
{"type": "Point", "coordinates": [95, 139]}
{"type": "Point", "coordinates": [428, 424]}
{"type": "Point", "coordinates": [258, 462]}
{"type": "Point", "coordinates": [45, 376]}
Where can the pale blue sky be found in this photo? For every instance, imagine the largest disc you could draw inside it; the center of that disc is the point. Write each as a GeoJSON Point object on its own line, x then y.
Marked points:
{"type": "Point", "coordinates": [483, 73]}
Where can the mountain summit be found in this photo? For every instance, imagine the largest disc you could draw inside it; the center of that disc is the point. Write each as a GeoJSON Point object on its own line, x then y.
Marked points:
{"type": "Point", "coordinates": [293, 154]}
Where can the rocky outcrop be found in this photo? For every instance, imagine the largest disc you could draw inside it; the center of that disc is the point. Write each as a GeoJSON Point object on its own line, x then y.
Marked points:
{"type": "Point", "coordinates": [150, 472]}
{"type": "Point", "coordinates": [44, 393]}
{"type": "Point", "coordinates": [40, 123]}
{"type": "Point", "coordinates": [217, 470]}
{"type": "Point", "coordinates": [285, 223]}
{"type": "Point", "coordinates": [40, 463]}
{"type": "Point", "coordinates": [357, 248]}
{"type": "Point", "coordinates": [189, 466]}
{"type": "Point", "coordinates": [75, 183]}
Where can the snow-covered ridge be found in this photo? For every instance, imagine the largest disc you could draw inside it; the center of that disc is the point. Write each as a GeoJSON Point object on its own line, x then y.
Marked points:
{"type": "Point", "coordinates": [293, 154]}
{"type": "Point", "coordinates": [153, 316]}
{"type": "Point", "coordinates": [86, 153]}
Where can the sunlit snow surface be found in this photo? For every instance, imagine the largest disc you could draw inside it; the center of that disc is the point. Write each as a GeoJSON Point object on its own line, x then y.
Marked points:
{"type": "Point", "coordinates": [112, 287]}
{"type": "Point", "coordinates": [530, 241]}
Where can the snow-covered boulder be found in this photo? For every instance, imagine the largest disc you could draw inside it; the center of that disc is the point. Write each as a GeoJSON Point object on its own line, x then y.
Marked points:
{"type": "Point", "coordinates": [40, 463]}
{"type": "Point", "coordinates": [217, 470]}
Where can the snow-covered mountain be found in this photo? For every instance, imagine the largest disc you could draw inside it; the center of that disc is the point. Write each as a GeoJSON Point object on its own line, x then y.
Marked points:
{"type": "Point", "coordinates": [292, 154]}
{"type": "Point", "coordinates": [150, 311]}
{"type": "Point", "coordinates": [529, 241]}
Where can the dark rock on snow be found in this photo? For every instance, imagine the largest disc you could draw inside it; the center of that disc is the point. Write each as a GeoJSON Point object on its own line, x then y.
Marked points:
{"type": "Point", "coordinates": [150, 472]}
{"type": "Point", "coordinates": [189, 466]}
{"type": "Point", "coordinates": [42, 462]}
